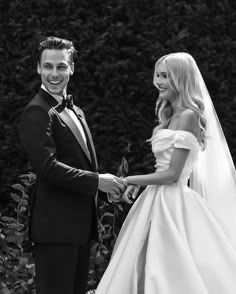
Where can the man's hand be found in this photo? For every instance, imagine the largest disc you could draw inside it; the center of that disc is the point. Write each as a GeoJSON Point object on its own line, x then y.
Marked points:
{"type": "Point", "coordinates": [130, 192]}
{"type": "Point", "coordinates": [111, 184]}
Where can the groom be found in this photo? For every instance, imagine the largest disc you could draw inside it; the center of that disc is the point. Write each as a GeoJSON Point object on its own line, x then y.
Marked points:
{"type": "Point", "coordinates": [59, 145]}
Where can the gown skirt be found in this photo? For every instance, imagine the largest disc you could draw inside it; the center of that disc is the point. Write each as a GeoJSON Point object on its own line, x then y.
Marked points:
{"type": "Point", "coordinates": [171, 243]}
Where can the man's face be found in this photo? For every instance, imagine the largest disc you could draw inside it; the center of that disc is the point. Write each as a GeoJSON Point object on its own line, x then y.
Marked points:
{"type": "Point", "coordinates": [55, 69]}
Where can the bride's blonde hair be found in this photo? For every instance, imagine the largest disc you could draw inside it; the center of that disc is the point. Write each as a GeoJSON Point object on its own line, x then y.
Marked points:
{"type": "Point", "coordinates": [183, 78]}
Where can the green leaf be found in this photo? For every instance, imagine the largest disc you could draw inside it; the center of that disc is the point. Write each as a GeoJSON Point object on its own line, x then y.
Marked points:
{"type": "Point", "coordinates": [8, 219]}
{"type": "Point", "coordinates": [120, 207]}
{"type": "Point", "coordinates": [11, 239]}
{"type": "Point", "coordinates": [123, 168]}
{"type": "Point", "coordinates": [16, 226]}
{"type": "Point", "coordinates": [108, 214]}
{"type": "Point", "coordinates": [2, 236]}
{"type": "Point", "coordinates": [18, 187]}
{"type": "Point", "coordinates": [19, 237]}
{"type": "Point", "coordinates": [23, 209]}
{"type": "Point", "coordinates": [30, 281]}
{"type": "Point", "coordinates": [15, 197]}
{"type": "Point", "coordinates": [30, 268]}
{"type": "Point", "coordinates": [94, 249]}
{"type": "Point", "coordinates": [91, 284]}
{"type": "Point", "coordinates": [99, 260]}
{"type": "Point", "coordinates": [24, 202]}
{"type": "Point", "coordinates": [23, 260]}
{"type": "Point", "coordinates": [106, 236]}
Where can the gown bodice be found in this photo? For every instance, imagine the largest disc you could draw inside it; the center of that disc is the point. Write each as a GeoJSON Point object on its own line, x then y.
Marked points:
{"type": "Point", "coordinates": [163, 144]}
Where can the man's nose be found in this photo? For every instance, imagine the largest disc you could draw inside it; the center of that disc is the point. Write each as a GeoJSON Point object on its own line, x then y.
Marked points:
{"type": "Point", "coordinates": [54, 72]}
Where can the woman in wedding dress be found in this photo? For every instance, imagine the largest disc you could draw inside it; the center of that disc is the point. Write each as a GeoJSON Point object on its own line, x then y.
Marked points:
{"type": "Point", "coordinates": [178, 239]}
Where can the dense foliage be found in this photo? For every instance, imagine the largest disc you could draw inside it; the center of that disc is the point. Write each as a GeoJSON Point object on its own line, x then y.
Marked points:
{"type": "Point", "coordinates": [118, 43]}
{"type": "Point", "coordinates": [17, 268]}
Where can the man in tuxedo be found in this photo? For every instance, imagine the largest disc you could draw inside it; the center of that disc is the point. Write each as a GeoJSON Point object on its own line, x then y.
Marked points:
{"type": "Point", "coordinates": [59, 145]}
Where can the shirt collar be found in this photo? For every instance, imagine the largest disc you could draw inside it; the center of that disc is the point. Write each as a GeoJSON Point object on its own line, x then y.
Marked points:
{"type": "Point", "coordinates": [57, 97]}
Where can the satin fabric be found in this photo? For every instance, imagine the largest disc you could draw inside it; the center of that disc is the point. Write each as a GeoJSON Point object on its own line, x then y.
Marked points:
{"type": "Point", "coordinates": [171, 241]}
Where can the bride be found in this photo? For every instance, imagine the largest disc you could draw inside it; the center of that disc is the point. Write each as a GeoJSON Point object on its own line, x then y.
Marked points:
{"type": "Point", "coordinates": [180, 235]}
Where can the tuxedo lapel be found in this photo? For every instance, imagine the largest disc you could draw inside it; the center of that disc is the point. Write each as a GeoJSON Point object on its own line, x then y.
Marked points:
{"type": "Point", "coordinates": [89, 138]}
{"type": "Point", "coordinates": [81, 117]}
{"type": "Point", "coordinates": [66, 118]}
{"type": "Point", "coordinates": [64, 115]}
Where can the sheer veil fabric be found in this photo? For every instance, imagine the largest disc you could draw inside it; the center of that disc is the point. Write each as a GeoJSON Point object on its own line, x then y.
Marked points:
{"type": "Point", "coordinates": [214, 175]}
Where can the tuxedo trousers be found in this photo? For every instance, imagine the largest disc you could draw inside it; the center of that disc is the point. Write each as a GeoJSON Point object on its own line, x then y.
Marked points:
{"type": "Point", "coordinates": [61, 268]}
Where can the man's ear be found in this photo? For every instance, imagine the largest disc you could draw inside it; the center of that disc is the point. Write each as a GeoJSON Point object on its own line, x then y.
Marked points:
{"type": "Point", "coordinates": [72, 68]}
{"type": "Point", "coordinates": [38, 69]}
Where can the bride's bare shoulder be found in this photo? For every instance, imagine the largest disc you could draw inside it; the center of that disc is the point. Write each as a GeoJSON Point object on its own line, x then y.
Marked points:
{"type": "Point", "coordinates": [188, 121]}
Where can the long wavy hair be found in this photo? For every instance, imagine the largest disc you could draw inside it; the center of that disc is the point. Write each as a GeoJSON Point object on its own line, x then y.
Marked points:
{"type": "Point", "coordinates": [183, 78]}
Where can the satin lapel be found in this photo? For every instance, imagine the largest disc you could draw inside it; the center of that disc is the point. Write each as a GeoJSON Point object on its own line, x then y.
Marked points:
{"type": "Point", "coordinates": [74, 129]}
{"type": "Point", "coordinates": [81, 115]}
{"type": "Point", "coordinates": [91, 141]}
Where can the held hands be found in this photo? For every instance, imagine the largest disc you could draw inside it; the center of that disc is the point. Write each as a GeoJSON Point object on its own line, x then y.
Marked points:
{"type": "Point", "coordinates": [131, 192]}
{"type": "Point", "coordinates": [111, 184]}
{"type": "Point", "coordinates": [117, 188]}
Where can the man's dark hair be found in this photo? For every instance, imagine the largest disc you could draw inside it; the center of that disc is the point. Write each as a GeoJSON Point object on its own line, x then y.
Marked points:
{"type": "Point", "coordinates": [57, 44]}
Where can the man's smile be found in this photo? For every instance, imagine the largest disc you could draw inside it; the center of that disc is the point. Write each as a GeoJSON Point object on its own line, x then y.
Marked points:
{"type": "Point", "coordinates": [54, 82]}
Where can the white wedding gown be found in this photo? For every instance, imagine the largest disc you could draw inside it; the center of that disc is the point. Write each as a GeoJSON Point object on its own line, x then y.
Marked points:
{"type": "Point", "coordinates": [171, 242]}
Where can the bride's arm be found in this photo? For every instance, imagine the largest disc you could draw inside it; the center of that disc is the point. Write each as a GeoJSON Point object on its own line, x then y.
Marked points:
{"type": "Point", "coordinates": [168, 176]}
{"type": "Point", "coordinates": [188, 121]}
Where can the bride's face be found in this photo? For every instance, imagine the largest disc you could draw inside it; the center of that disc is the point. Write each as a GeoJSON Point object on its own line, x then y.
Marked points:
{"type": "Point", "coordinates": [162, 84]}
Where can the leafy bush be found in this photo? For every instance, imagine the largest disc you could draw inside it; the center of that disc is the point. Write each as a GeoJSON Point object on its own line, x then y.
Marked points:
{"type": "Point", "coordinates": [16, 263]}
{"type": "Point", "coordinates": [109, 223]}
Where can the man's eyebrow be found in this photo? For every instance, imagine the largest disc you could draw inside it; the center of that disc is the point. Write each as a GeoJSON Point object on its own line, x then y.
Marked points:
{"type": "Point", "coordinates": [61, 63]}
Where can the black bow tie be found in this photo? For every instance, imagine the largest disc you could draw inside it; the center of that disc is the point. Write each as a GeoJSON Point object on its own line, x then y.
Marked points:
{"type": "Point", "coordinates": [68, 101]}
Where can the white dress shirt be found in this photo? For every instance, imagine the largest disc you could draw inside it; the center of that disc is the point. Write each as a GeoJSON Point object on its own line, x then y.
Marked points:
{"type": "Point", "coordinates": [70, 112]}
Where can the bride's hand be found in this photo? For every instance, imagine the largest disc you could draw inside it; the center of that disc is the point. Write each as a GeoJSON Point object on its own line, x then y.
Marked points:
{"type": "Point", "coordinates": [130, 192]}
{"type": "Point", "coordinates": [113, 197]}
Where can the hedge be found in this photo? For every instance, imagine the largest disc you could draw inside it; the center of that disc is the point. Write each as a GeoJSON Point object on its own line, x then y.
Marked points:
{"type": "Point", "coordinates": [118, 43]}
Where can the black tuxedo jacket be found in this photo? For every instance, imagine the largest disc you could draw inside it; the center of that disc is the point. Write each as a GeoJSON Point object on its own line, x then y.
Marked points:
{"type": "Point", "coordinates": [63, 209]}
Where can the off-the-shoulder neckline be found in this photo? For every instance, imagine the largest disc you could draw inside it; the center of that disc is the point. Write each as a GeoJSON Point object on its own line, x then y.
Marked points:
{"type": "Point", "coordinates": [171, 130]}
